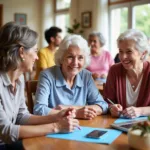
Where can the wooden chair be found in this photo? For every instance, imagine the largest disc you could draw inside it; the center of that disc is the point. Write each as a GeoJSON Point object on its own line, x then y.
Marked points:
{"type": "Point", "coordinates": [101, 90]}
{"type": "Point", "coordinates": [31, 86]}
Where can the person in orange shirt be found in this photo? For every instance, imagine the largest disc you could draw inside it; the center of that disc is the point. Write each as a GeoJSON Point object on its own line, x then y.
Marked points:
{"type": "Point", "coordinates": [46, 54]}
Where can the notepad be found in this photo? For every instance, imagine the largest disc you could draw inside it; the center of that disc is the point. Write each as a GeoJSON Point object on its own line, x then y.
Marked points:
{"type": "Point", "coordinates": [79, 135]}
{"type": "Point", "coordinates": [123, 119]}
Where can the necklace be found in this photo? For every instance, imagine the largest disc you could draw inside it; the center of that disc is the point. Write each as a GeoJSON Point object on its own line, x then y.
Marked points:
{"type": "Point", "coordinates": [133, 86]}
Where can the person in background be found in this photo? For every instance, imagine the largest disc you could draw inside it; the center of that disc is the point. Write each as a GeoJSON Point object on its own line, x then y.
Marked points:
{"type": "Point", "coordinates": [68, 84]}
{"type": "Point", "coordinates": [18, 52]}
{"type": "Point", "coordinates": [101, 60]}
{"type": "Point", "coordinates": [128, 82]}
{"type": "Point", "coordinates": [46, 54]}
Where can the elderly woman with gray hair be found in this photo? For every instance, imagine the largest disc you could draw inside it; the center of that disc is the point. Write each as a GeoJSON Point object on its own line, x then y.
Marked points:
{"type": "Point", "coordinates": [101, 60]}
{"type": "Point", "coordinates": [68, 84]}
{"type": "Point", "coordinates": [128, 82]}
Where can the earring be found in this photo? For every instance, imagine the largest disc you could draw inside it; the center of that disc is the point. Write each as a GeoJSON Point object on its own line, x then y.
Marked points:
{"type": "Point", "coordinates": [22, 59]}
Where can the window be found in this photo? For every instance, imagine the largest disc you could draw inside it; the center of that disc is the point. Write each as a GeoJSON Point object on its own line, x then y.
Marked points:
{"type": "Point", "coordinates": [62, 18]}
{"type": "Point", "coordinates": [128, 15]}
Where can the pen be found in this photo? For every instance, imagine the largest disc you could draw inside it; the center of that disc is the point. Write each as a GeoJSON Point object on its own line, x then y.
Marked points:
{"type": "Point", "coordinates": [79, 127]}
{"type": "Point", "coordinates": [121, 115]}
{"type": "Point", "coordinates": [110, 101]}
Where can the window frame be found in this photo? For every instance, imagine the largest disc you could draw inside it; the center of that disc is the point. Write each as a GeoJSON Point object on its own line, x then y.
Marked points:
{"type": "Point", "coordinates": [130, 5]}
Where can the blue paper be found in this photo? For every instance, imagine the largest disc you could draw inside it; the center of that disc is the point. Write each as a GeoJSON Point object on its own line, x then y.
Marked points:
{"type": "Point", "coordinates": [79, 135]}
{"type": "Point", "coordinates": [123, 119]}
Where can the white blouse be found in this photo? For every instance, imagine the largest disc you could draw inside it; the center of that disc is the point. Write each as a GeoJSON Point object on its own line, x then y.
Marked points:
{"type": "Point", "coordinates": [132, 95]}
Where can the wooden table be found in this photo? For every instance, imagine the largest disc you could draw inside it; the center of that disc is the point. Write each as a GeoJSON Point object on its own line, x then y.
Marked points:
{"type": "Point", "coordinates": [43, 143]}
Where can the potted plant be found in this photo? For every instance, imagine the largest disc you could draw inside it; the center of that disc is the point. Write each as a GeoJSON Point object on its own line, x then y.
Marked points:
{"type": "Point", "coordinates": [75, 29]}
{"type": "Point", "coordinates": [139, 135]}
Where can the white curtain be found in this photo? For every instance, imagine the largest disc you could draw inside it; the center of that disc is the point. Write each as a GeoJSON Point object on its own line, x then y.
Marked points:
{"type": "Point", "coordinates": [100, 17]}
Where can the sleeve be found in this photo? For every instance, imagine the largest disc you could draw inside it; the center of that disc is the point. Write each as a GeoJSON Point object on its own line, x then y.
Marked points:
{"type": "Point", "coordinates": [94, 96]}
{"type": "Point", "coordinates": [9, 132]}
{"type": "Point", "coordinates": [42, 95]}
{"type": "Point", "coordinates": [42, 60]}
{"type": "Point", "coordinates": [110, 89]}
{"type": "Point", "coordinates": [23, 114]}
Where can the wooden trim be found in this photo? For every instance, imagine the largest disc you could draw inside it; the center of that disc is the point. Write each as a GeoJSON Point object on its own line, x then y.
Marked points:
{"type": "Point", "coordinates": [120, 2]}
{"type": "Point", "coordinates": [59, 10]}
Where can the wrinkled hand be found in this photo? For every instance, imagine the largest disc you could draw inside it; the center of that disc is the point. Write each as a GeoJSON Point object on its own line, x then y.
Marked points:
{"type": "Point", "coordinates": [86, 113]}
{"type": "Point", "coordinates": [132, 112]}
{"type": "Point", "coordinates": [95, 76]}
{"type": "Point", "coordinates": [61, 107]}
{"type": "Point", "coordinates": [66, 124]}
{"type": "Point", "coordinates": [69, 112]}
{"type": "Point", "coordinates": [116, 110]}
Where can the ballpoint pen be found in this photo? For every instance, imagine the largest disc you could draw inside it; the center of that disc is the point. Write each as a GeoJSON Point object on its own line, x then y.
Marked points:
{"type": "Point", "coordinates": [110, 101]}
{"type": "Point", "coordinates": [121, 115]}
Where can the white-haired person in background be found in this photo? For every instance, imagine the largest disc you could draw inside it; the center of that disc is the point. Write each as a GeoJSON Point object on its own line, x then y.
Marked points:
{"type": "Point", "coordinates": [18, 52]}
{"type": "Point", "coordinates": [128, 82]}
{"type": "Point", "coordinates": [101, 60]}
{"type": "Point", "coordinates": [68, 84]}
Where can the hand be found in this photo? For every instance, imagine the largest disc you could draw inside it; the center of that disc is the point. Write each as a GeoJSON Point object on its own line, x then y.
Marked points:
{"type": "Point", "coordinates": [86, 113]}
{"type": "Point", "coordinates": [66, 124]}
{"type": "Point", "coordinates": [70, 112]}
{"type": "Point", "coordinates": [116, 110]}
{"type": "Point", "coordinates": [132, 112]}
{"type": "Point", "coordinates": [103, 76]}
{"type": "Point", "coordinates": [95, 76]}
{"type": "Point", "coordinates": [61, 107]}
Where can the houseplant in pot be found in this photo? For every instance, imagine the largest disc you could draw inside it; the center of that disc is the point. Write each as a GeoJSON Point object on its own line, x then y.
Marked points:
{"type": "Point", "coordinates": [139, 135]}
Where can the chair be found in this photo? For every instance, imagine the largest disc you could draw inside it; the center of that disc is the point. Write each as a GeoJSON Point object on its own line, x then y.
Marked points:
{"type": "Point", "coordinates": [31, 86]}
{"type": "Point", "coordinates": [101, 90]}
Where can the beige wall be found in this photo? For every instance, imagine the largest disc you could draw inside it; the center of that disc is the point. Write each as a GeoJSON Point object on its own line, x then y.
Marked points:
{"type": "Point", "coordinates": [30, 7]}
{"type": "Point", "coordinates": [40, 14]}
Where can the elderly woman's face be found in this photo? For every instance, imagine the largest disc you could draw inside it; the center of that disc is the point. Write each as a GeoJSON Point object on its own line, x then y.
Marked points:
{"type": "Point", "coordinates": [94, 44]}
{"type": "Point", "coordinates": [73, 61]}
{"type": "Point", "coordinates": [128, 54]}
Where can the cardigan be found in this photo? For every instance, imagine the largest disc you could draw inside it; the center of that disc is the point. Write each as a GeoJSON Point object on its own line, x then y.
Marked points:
{"type": "Point", "coordinates": [115, 88]}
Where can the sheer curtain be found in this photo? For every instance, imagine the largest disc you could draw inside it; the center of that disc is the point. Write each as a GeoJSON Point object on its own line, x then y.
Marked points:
{"type": "Point", "coordinates": [100, 20]}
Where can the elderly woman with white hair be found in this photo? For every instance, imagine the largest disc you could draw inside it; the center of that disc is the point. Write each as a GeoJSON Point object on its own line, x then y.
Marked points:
{"type": "Point", "coordinates": [128, 82]}
{"type": "Point", "coordinates": [101, 59]}
{"type": "Point", "coordinates": [68, 84]}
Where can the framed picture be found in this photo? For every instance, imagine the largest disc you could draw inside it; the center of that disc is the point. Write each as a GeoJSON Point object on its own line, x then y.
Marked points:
{"type": "Point", "coordinates": [21, 18]}
{"type": "Point", "coordinates": [86, 19]}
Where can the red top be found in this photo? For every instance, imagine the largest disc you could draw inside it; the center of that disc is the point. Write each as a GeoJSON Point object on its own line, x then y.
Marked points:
{"type": "Point", "coordinates": [115, 88]}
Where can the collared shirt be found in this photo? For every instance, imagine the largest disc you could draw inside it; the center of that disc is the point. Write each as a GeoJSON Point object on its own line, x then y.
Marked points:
{"type": "Point", "coordinates": [53, 90]}
{"type": "Point", "coordinates": [13, 110]}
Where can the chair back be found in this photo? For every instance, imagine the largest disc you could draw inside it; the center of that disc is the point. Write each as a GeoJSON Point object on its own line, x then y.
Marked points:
{"type": "Point", "coordinates": [31, 86]}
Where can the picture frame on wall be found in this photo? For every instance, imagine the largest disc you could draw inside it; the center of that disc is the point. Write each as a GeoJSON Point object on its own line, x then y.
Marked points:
{"type": "Point", "coordinates": [86, 19]}
{"type": "Point", "coordinates": [20, 18]}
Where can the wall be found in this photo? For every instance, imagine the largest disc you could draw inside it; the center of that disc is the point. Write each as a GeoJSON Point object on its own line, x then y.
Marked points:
{"type": "Point", "coordinates": [30, 7]}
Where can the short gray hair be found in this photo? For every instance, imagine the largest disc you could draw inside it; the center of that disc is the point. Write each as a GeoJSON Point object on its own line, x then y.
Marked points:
{"type": "Point", "coordinates": [138, 37]}
{"type": "Point", "coordinates": [100, 37]}
{"type": "Point", "coordinates": [12, 37]}
{"type": "Point", "coordinates": [73, 40]}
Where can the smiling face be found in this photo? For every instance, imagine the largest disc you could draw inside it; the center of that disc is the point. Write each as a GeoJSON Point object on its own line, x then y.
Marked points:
{"type": "Point", "coordinates": [129, 56]}
{"type": "Point", "coordinates": [94, 43]}
{"type": "Point", "coordinates": [30, 57]}
{"type": "Point", "coordinates": [73, 62]}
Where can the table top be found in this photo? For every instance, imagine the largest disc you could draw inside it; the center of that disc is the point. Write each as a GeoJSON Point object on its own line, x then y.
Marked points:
{"type": "Point", "coordinates": [104, 121]}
